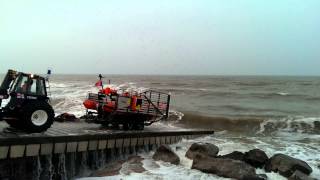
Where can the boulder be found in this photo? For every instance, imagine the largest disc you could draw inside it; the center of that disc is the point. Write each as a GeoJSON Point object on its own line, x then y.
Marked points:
{"type": "Point", "coordinates": [256, 158]}
{"type": "Point", "coordinates": [263, 176]}
{"type": "Point", "coordinates": [286, 165]}
{"type": "Point", "coordinates": [112, 169]}
{"type": "Point", "coordinates": [67, 117]}
{"type": "Point", "coordinates": [298, 175]}
{"type": "Point", "coordinates": [235, 155]}
{"type": "Point", "coordinates": [165, 153]}
{"type": "Point", "coordinates": [257, 177]}
{"type": "Point", "coordinates": [133, 165]}
{"type": "Point", "coordinates": [203, 150]}
{"type": "Point", "coordinates": [227, 168]}
{"type": "Point", "coordinates": [316, 126]}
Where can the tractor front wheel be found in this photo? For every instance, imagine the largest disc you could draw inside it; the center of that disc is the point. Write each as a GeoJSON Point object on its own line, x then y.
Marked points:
{"type": "Point", "coordinates": [37, 117]}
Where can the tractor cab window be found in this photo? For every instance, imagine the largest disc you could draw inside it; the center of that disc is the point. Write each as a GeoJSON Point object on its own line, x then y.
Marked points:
{"type": "Point", "coordinates": [41, 87]}
{"type": "Point", "coordinates": [13, 85]}
{"type": "Point", "coordinates": [22, 84]}
{"type": "Point", "coordinates": [33, 86]}
{"type": "Point", "coordinates": [26, 84]}
{"type": "Point", "coordinates": [37, 87]}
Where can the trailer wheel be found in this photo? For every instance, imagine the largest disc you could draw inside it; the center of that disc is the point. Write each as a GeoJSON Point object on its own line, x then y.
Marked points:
{"type": "Point", "coordinates": [127, 126]}
{"type": "Point", "coordinates": [37, 117]}
{"type": "Point", "coordinates": [139, 126]}
{"type": "Point", "coordinates": [115, 126]}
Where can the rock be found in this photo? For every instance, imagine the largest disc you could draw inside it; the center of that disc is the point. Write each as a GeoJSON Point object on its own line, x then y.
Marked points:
{"type": "Point", "coordinates": [133, 165]}
{"type": "Point", "coordinates": [298, 175]}
{"type": "Point", "coordinates": [257, 177]}
{"type": "Point", "coordinates": [165, 153]}
{"type": "Point", "coordinates": [227, 168]}
{"type": "Point", "coordinates": [286, 165]}
{"type": "Point", "coordinates": [316, 126]}
{"type": "Point", "coordinates": [263, 176]}
{"type": "Point", "coordinates": [112, 169]}
{"type": "Point", "coordinates": [256, 158]}
{"type": "Point", "coordinates": [202, 149]}
{"type": "Point", "coordinates": [67, 117]}
{"type": "Point", "coordinates": [235, 155]}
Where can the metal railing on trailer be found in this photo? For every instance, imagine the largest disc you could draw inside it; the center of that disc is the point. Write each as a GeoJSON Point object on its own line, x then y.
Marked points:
{"type": "Point", "coordinates": [151, 102]}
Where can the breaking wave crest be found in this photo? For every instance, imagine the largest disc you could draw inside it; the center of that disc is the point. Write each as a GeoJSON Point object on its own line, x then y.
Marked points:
{"type": "Point", "coordinates": [310, 125]}
{"type": "Point", "coordinates": [253, 125]}
{"type": "Point", "coordinates": [69, 96]}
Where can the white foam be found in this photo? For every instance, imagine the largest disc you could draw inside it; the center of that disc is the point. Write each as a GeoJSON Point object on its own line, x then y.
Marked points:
{"type": "Point", "coordinates": [176, 113]}
{"type": "Point", "coordinates": [289, 124]}
{"type": "Point", "coordinates": [271, 175]}
{"type": "Point", "coordinates": [69, 96]}
{"type": "Point", "coordinates": [283, 93]}
{"type": "Point", "coordinates": [127, 87]}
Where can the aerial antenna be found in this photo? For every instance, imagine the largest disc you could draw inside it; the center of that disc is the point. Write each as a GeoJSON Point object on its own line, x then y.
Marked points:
{"type": "Point", "coordinates": [49, 72]}
{"type": "Point", "coordinates": [100, 78]}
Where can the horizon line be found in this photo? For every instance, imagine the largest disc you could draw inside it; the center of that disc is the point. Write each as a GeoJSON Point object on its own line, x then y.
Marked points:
{"type": "Point", "coordinates": [133, 74]}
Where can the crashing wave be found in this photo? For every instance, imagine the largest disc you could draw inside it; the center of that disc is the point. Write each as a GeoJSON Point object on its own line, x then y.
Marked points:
{"type": "Point", "coordinates": [253, 125]}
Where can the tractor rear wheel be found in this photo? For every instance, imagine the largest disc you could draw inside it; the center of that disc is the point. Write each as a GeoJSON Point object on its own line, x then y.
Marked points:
{"type": "Point", "coordinates": [37, 117]}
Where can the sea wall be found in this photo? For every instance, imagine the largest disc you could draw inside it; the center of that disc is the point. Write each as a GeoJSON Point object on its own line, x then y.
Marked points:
{"type": "Point", "coordinates": [58, 159]}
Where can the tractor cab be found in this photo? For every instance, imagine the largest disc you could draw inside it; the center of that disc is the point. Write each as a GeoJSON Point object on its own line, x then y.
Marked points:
{"type": "Point", "coordinates": [33, 86]}
{"type": "Point", "coordinates": [27, 104]}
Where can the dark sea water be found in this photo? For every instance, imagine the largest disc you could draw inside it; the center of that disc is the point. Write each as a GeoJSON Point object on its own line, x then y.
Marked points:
{"type": "Point", "coordinates": [245, 96]}
{"type": "Point", "coordinates": [279, 114]}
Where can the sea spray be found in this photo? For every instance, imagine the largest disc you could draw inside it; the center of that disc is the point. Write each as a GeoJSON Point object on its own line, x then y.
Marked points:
{"type": "Point", "coordinates": [46, 167]}
{"type": "Point", "coordinates": [60, 166]}
{"type": "Point", "coordinates": [70, 164]}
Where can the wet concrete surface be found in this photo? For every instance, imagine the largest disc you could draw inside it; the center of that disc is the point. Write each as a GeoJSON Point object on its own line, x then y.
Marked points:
{"type": "Point", "coordinates": [77, 128]}
{"type": "Point", "coordinates": [82, 131]}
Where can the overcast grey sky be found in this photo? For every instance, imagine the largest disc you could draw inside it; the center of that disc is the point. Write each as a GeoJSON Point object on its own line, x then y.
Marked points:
{"type": "Point", "coordinates": [161, 37]}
